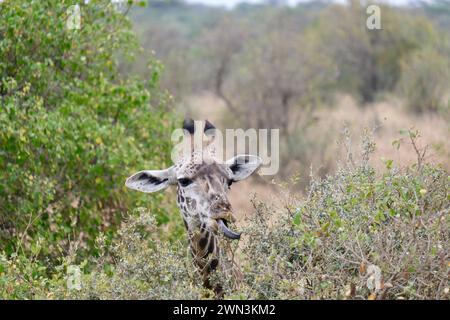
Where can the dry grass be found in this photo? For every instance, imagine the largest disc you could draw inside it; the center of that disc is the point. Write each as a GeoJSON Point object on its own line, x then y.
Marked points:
{"type": "Point", "coordinates": [388, 118]}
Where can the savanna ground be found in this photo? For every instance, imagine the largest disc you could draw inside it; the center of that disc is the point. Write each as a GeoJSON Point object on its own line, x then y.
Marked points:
{"type": "Point", "coordinates": [360, 208]}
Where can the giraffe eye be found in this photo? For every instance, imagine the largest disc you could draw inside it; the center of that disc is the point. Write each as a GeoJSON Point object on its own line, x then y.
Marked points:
{"type": "Point", "coordinates": [184, 182]}
{"type": "Point", "coordinates": [230, 182]}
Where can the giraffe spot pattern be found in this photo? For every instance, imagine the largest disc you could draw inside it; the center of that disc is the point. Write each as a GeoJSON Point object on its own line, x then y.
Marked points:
{"type": "Point", "coordinates": [202, 243]}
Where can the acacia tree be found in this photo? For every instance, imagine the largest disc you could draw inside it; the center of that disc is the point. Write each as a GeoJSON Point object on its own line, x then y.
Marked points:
{"type": "Point", "coordinates": [263, 74]}
{"type": "Point", "coordinates": [369, 61]}
{"type": "Point", "coordinates": [221, 47]}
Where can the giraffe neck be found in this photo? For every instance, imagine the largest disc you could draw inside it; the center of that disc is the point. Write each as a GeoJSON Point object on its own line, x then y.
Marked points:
{"type": "Point", "coordinates": [203, 243]}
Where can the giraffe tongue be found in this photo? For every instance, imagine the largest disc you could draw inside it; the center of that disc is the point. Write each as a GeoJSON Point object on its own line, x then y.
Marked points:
{"type": "Point", "coordinates": [227, 232]}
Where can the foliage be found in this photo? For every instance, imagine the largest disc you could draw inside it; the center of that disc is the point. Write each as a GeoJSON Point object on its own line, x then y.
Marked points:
{"type": "Point", "coordinates": [141, 266]}
{"type": "Point", "coordinates": [136, 265]}
{"type": "Point", "coordinates": [26, 278]}
{"type": "Point", "coordinates": [425, 78]}
{"type": "Point", "coordinates": [71, 129]}
{"type": "Point", "coordinates": [352, 225]}
{"type": "Point", "coordinates": [369, 61]}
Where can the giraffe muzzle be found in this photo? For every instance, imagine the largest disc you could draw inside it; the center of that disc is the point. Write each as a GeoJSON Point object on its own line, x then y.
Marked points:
{"type": "Point", "coordinates": [226, 231]}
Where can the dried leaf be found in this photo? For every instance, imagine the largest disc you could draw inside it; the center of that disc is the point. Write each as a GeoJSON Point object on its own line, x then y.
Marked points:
{"type": "Point", "coordinates": [75, 202]}
{"type": "Point", "coordinates": [362, 268]}
{"type": "Point", "coordinates": [351, 290]}
{"type": "Point", "coordinates": [49, 209]}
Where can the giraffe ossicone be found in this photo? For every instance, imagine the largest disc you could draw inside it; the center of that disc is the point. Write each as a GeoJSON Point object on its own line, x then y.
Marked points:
{"type": "Point", "coordinates": [202, 183]}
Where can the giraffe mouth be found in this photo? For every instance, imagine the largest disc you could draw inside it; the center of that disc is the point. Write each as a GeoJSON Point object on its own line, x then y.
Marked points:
{"type": "Point", "coordinates": [227, 232]}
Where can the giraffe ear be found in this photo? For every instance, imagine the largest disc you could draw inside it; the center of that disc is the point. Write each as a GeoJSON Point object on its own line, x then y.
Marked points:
{"type": "Point", "coordinates": [151, 180]}
{"type": "Point", "coordinates": [242, 166]}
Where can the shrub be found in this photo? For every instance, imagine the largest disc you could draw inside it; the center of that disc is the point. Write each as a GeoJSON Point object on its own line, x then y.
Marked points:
{"type": "Point", "coordinates": [140, 266]}
{"type": "Point", "coordinates": [72, 129]}
{"type": "Point", "coordinates": [357, 235]}
{"type": "Point", "coordinates": [23, 278]}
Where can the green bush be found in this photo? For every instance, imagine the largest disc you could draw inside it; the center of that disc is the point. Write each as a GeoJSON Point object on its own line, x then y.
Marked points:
{"type": "Point", "coordinates": [23, 277]}
{"type": "Point", "coordinates": [139, 265]}
{"type": "Point", "coordinates": [71, 128]}
{"type": "Point", "coordinates": [352, 227]}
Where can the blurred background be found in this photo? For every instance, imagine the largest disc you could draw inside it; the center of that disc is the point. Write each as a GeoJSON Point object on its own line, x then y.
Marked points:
{"type": "Point", "coordinates": [311, 69]}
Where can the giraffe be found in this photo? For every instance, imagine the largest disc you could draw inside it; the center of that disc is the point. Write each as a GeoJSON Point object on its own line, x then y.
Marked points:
{"type": "Point", "coordinates": [202, 182]}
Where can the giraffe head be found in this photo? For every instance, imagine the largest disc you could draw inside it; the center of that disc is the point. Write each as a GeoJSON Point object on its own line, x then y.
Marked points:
{"type": "Point", "coordinates": [201, 185]}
